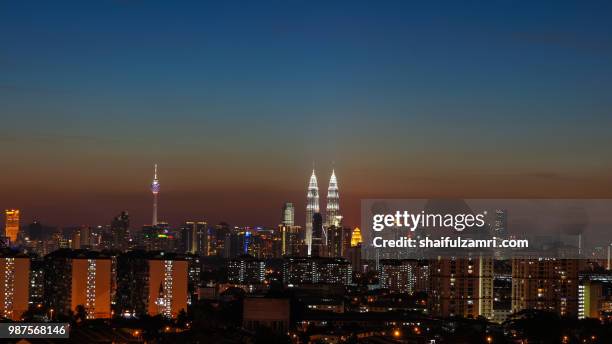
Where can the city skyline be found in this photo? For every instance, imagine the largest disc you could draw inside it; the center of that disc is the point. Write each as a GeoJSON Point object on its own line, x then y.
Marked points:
{"type": "Point", "coordinates": [294, 172]}
{"type": "Point", "coordinates": [236, 100]}
{"type": "Point", "coordinates": [331, 208]}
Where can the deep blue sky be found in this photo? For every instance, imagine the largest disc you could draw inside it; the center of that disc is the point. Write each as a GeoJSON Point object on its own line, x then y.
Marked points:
{"type": "Point", "coordinates": [235, 100]}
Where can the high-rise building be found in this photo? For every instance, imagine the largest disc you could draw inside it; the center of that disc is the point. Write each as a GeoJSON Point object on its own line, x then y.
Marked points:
{"type": "Point", "coordinates": [216, 239]}
{"type": "Point", "coordinates": [595, 298]}
{"type": "Point", "coordinates": [14, 285]}
{"type": "Point", "coordinates": [194, 237]}
{"type": "Point", "coordinates": [288, 214]}
{"type": "Point", "coordinates": [194, 272]}
{"type": "Point", "coordinates": [290, 240]}
{"type": "Point", "coordinates": [151, 283]}
{"type": "Point", "coordinates": [356, 237]}
{"type": "Point", "coordinates": [316, 270]}
{"type": "Point", "coordinates": [37, 280]}
{"type": "Point", "coordinates": [77, 278]}
{"type": "Point", "coordinates": [155, 191]}
{"type": "Point", "coordinates": [120, 231]}
{"type": "Point", "coordinates": [500, 227]}
{"type": "Point", "coordinates": [246, 270]}
{"type": "Point", "coordinates": [312, 207]}
{"type": "Point", "coordinates": [169, 278]}
{"type": "Point", "coordinates": [353, 250]}
{"type": "Point", "coordinates": [461, 287]}
{"type": "Point", "coordinates": [549, 284]}
{"type": "Point", "coordinates": [403, 276]}
{"type": "Point", "coordinates": [317, 244]}
{"type": "Point", "coordinates": [335, 241]}
{"type": "Point", "coordinates": [11, 229]}
{"type": "Point", "coordinates": [332, 211]}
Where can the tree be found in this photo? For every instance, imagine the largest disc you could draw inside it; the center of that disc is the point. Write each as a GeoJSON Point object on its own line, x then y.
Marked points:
{"type": "Point", "coordinates": [80, 314]}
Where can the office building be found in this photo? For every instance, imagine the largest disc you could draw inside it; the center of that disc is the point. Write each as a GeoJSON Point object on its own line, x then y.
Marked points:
{"type": "Point", "coordinates": [332, 209]}
{"type": "Point", "coordinates": [288, 218]}
{"type": "Point", "coordinates": [11, 228]}
{"type": "Point", "coordinates": [312, 207]}
{"type": "Point", "coordinates": [194, 237]}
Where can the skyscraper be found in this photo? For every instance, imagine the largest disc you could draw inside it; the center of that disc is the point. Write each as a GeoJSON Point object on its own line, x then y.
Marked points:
{"type": "Point", "coordinates": [120, 229]}
{"type": "Point", "coordinates": [333, 202]}
{"type": "Point", "coordinates": [155, 191]}
{"type": "Point", "coordinates": [194, 237]}
{"type": "Point", "coordinates": [288, 214]}
{"type": "Point", "coordinates": [317, 244]}
{"type": "Point", "coordinates": [11, 230]}
{"type": "Point", "coordinates": [312, 207]}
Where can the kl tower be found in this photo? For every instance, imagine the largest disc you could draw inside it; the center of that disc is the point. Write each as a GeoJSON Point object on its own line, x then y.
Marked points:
{"type": "Point", "coordinates": [155, 191]}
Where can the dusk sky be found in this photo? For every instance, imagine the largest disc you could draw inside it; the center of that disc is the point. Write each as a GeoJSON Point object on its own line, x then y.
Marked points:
{"type": "Point", "coordinates": [235, 100]}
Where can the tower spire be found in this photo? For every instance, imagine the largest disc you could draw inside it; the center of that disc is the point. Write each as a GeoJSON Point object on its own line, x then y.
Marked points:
{"type": "Point", "coordinates": [155, 191]}
{"type": "Point", "coordinates": [312, 207]}
{"type": "Point", "coordinates": [332, 210]}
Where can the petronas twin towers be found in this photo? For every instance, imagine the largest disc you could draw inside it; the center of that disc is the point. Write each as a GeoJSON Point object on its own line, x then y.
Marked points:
{"type": "Point", "coordinates": [332, 211]}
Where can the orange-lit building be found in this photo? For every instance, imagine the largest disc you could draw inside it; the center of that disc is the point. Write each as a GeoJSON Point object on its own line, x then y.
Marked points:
{"type": "Point", "coordinates": [11, 228]}
{"type": "Point", "coordinates": [14, 285]}
{"type": "Point", "coordinates": [151, 283]}
{"type": "Point", "coordinates": [167, 287]}
{"type": "Point", "coordinates": [76, 278]}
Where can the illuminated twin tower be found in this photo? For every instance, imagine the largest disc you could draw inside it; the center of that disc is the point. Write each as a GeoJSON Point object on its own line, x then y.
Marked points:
{"type": "Point", "coordinates": [332, 211]}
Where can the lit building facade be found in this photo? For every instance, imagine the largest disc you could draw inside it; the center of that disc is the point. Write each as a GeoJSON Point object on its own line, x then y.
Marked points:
{"type": "Point", "coordinates": [595, 297]}
{"type": "Point", "coordinates": [288, 218]}
{"type": "Point", "coordinates": [11, 228]}
{"type": "Point", "coordinates": [168, 282]}
{"type": "Point", "coordinates": [332, 209]}
{"type": "Point", "coordinates": [290, 239]}
{"type": "Point", "coordinates": [461, 287]}
{"type": "Point", "coordinates": [76, 278]}
{"type": "Point", "coordinates": [312, 207]}
{"type": "Point", "coordinates": [404, 276]}
{"type": "Point", "coordinates": [151, 283]}
{"type": "Point", "coordinates": [194, 237]}
{"type": "Point", "coordinates": [246, 270]}
{"type": "Point", "coordinates": [14, 285]}
{"type": "Point", "coordinates": [549, 284]}
{"type": "Point", "coordinates": [316, 270]}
